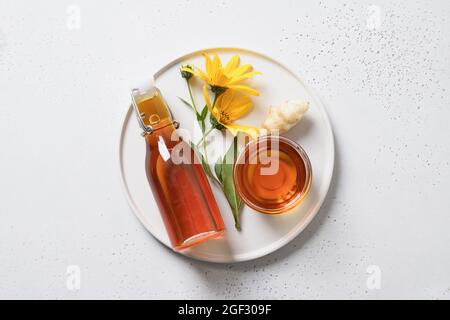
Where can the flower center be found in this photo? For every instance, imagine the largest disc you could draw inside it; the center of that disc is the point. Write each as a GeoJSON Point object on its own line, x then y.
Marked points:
{"type": "Point", "coordinates": [224, 117]}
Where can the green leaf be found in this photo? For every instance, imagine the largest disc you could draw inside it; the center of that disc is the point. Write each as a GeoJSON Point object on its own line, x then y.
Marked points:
{"type": "Point", "coordinates": [227, 182]}
{"type": "Point", "coordinates": [186, 103]}
{"type": "Point", "coordinates": [204, 113]}
{"type": "Point", "coordinates": [218, 169]}
{"type": "Point", "coordinates": [202, 123]}
{"type": "Point", "coordinates": [201, 118]}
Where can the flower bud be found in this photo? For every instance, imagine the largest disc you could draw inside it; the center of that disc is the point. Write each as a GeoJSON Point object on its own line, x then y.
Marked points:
{"type": "Point", "coordinates": [187, 71]}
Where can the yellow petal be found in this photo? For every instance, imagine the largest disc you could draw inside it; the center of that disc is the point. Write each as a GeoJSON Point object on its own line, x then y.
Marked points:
{"type": "Point", "coordinates": [225, 99]}
{"type": "Point", "coordinates": [235, 105]}
{"type": "Point", "coordinates": [241, 70]}
{"type": "Point", "coordinates": [232, 64]}
{"type": "Point", "coordinates": [208, 64]}
{"type": "Point", "coordinates": [244, 89]}
{"type": "Point", "coordinates": [245, 76]}
{"type": "Point", "coordinates": [217, 63]}
{"type": "Point", "coordinates": [240, 108]}
{"type": "Point", "coordinates": [221, 80]}
{"type": "Point", "coordinates": [236, 128]}
{"type": "Point", "coordinates": [216, 72]}
{"type": "Point", "coordinates": [201, 74]}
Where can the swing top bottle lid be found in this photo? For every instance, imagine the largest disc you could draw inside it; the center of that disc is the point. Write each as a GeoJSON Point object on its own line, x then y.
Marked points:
{"type": "Point", "coordinates": [151, 110]}
{"type": "Point", "coordinates": [144, 85]}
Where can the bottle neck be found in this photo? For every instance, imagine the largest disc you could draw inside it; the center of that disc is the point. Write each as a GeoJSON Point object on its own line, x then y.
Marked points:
{"type": "Point", "coordinates": [167, 133]}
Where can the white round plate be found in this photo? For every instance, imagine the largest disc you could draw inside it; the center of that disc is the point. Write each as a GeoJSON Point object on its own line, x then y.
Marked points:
{"type": "Point", "coordinates": [261, 234]}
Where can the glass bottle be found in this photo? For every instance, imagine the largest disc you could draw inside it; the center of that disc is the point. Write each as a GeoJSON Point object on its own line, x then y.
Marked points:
{"type": "Point", "coordinates": [176, 177]}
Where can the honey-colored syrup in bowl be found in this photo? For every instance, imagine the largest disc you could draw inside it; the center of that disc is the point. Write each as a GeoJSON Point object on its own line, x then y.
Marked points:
{"type": "Point", "coordinates": [272, 174]}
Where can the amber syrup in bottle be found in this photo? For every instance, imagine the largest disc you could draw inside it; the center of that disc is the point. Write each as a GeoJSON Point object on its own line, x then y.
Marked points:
{"type": "Point", "coordinates": [176, 177]}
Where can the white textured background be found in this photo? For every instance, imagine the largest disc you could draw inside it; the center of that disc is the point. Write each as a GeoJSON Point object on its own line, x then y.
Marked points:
{"type": "Point", "coordinates": [63, 92]}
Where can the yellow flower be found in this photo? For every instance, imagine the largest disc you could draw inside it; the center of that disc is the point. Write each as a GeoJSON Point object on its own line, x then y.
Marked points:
{"type": "Point", "coordinates": [228, 107]}
{"type": "Point", "coordinates": [229, 77]}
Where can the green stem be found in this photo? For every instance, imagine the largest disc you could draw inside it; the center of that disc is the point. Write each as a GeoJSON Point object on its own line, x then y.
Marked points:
{"type": "Point", "coordinates": [204, 149]}
{"type": "Point", "coordinates": [192, 97]}
{"type": "Point", "coordinates": [197, 116]}
{"type": "Point", "coordinates": [209, 130]}
{"type": "Point", "coordinates": [205, 135]}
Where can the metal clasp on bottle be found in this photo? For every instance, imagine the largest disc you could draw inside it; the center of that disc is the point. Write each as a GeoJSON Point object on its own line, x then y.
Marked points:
{"type": "Point", "coordinates": [146, 129]}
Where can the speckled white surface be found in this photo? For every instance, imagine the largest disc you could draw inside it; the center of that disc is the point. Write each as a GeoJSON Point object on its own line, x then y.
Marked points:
{"type": "Point", "coordinates": [383, 72]}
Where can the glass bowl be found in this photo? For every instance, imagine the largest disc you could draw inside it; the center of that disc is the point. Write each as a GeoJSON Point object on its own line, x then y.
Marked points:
{"type": "Point", "coordinates": [272, 174]}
